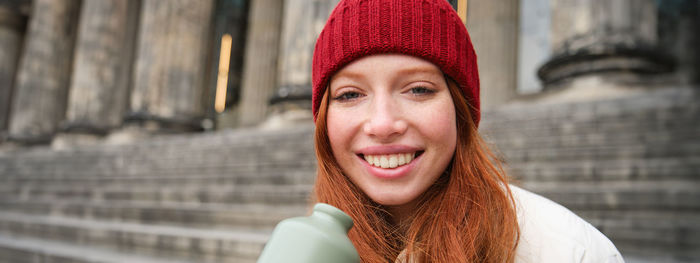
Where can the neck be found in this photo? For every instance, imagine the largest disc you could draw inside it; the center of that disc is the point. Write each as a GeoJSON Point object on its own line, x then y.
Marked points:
{"type": "Point", "coordinates": [401, 215]}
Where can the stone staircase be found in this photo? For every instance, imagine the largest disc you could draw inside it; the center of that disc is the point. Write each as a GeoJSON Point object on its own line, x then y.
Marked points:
{"type": "Point", "coordinates": [195, 198]}
{"type": "Point", "coordinates": [631, 166]}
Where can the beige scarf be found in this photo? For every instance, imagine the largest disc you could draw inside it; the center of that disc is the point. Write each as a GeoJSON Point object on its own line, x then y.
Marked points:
{"type": "Point", "coordinates": [402, 258]}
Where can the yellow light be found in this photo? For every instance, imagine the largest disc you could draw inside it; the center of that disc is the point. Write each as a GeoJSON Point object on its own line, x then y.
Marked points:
{"type": "Point", "coordinates": [462, 10]}
{"type": "Point", "coordinates": [222, 79]}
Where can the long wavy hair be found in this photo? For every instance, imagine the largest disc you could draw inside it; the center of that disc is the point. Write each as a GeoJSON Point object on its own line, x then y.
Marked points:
{"type": "Point", "coordinates": [467, 215]}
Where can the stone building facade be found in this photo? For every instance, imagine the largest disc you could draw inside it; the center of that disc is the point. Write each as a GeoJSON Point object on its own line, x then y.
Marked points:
{"type": "Point", "coordinates": [115, 144]}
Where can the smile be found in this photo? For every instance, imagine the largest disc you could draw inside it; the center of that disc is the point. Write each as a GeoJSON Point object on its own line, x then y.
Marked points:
{"type": "Point", "coordinates": [390, 160]}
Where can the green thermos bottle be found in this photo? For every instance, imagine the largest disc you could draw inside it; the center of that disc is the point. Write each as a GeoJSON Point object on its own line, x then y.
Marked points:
{"type": "Point", "coordinates": [321, 237]}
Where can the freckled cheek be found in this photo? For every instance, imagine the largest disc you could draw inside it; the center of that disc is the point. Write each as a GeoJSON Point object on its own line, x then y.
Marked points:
{"type": "Point", "coordinates": [340, 135]}
{"type": "Point", "coordinates": [441, 128]}
{"type": "Point", "coordinates": [442, 131]}
{"type": "Point", "coordinates": [335, 135]}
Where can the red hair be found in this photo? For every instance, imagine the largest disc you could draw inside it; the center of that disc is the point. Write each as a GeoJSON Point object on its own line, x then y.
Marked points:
{"type": "Point", "coordinates": [467, 215]}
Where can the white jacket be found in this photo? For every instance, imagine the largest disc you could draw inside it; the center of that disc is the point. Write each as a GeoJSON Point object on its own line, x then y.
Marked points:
{"type": "Point", "coordinates": [551, 233]}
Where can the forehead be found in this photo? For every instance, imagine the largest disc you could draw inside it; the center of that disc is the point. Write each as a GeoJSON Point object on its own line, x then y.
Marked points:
{"type": "Point", "coordinates": [387, 63]}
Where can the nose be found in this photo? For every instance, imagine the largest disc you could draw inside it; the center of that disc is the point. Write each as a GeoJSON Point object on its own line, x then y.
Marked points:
{"type": "Point", "coordinates": [385, 121]}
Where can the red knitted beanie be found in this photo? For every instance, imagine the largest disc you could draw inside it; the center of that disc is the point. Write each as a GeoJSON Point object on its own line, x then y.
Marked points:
{"type": "Point", "coordinates": [429, 29]}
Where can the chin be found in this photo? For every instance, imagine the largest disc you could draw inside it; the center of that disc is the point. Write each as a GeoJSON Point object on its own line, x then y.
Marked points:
{"type": "Point", "coordinates": [392, 200]}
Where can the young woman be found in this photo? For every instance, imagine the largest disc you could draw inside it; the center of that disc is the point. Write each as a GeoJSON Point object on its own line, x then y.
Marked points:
{"type": "Point", "coordinates": [396, 105]}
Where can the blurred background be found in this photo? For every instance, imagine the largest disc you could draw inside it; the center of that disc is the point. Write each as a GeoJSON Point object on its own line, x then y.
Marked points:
{"type": "Point", "coordinates": [181, 131]}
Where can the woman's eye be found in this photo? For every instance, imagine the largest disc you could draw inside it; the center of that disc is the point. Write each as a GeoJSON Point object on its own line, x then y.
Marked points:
{"type": "Point", "coordinates": [421, 91]}
{"type": "Point", "coordinates": [348, 96]}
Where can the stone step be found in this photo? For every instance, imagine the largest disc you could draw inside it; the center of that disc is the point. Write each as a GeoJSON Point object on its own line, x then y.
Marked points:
{"type": "Point", "coordinates": [680, 168]}
{"type": "Point", "coordinates": [14, 249]}
{"type": "Point", "coordinates": [584, 139]}
{"type": "Point", "coordinates": [238, 140]}
{"type": "Point", "coordinates": [579, 196]}
{"type": "Point", "coordinates": [652, 233]}
{"type": "Point", "coordinates": [179, 166]}
{"type": "Point", "coordinates": [656, 105]}
{"type": "Point", "coordinates": [75, 167]}
{"type": "Point", "coordinates": [636, 123]}
{"type": "Point", "coordinates": [247, 151]}
{"type": "Point", "coordinates": [202, 176]}
{"type": "Point", "coordinates": [668, 219]}
{"type": "Point", "coordinates": [668, 116]}
{"type": "Point", "coordinates": [593, 153]}
{"type": "Point", "coordinates": [225, 194]}
{"type": "Point", "coordinates": [643, 255]}
{"type": "Point", "coordinates": [107, 160]}
{"type": "Point", "coordinates": [116, 157]}
{"type": "Point", "coordinates": [263, 217]}
{"type": "Point", "coordinates": [154, 240]}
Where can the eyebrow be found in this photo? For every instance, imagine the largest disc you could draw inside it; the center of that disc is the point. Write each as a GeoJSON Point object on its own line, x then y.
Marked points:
{"type": "Point", "coordinates": [404, 71]}
{"type": "Point", "coordinates": [419, 69]}
{"type": "Point", "coordinates": [348, 75]}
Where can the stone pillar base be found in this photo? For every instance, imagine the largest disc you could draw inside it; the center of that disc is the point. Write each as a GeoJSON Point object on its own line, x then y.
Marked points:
{"type": "Point", "coordinates": [9, 147]}
{"type": "Point", "coordinates": [288, 114]}
{"type": "Point", "coordinates": [228, 119]}
{"type": "Point", "coordinates": [71, 140]}
{"type": "Point", "coordinates": [605, 58]}
{"type": "Point", "coordinates": [156, 124]}
{"type": "Point", "coordinates": [76, 133]}
{"type": "Point", "coordinates": [604, 38]}
{"type": "Point", "coordinates": [128, 134]}
{"type": "Point", "coordinates": [595, 87]}
{"type": "Point", "coordinates": [29, 139]}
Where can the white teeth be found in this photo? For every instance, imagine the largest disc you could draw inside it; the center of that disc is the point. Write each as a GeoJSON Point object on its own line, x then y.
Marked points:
{"type": "Point", "coordinates": [393, 161]}
{"type": "Point", "coordinates": [389, 160]}
{"type": "Point", "coordinates": [384, 161]}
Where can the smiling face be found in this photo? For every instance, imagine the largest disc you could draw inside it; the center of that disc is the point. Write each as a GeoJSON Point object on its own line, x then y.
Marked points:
{"type": "Point", "coordinates": [391, 126]}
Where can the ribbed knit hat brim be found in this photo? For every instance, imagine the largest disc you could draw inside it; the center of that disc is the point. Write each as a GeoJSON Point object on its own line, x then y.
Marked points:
{"type": "Point", "coordinates": [429, 29]}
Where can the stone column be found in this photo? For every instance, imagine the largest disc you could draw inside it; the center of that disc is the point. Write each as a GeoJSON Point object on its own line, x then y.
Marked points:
{"type": "Point", "coordinates": [303, 22]}
{"type": "Point", "coordinates": [41, 89]}
{"type": "Point", "coordinates": [12, 27]}
{"type": "Point", "coordinates": [171, 63]}
{"type": "Point", "coordinates": [493, 27]}
{"type": "Point", "coordinates": [260, 63]}
{"type": "Point", "coordinates": [599, 36]}
{"type": "Point", "coordinates": [533, 44]}
{"type": "Point", "coordinates": [679, 21]}
{"type": "Point", "coordinates": [98, 92]}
